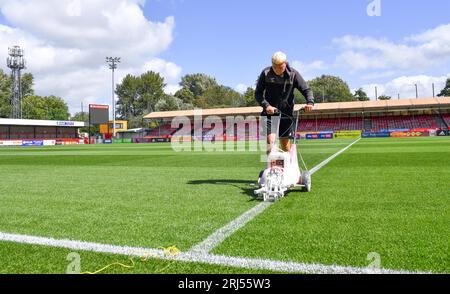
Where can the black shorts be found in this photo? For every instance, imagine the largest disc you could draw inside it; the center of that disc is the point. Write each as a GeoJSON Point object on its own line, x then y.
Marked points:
{"type": "Point", "coordinates": [287, 125]}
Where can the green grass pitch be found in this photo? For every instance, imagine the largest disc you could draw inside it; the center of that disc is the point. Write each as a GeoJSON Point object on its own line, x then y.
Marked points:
{"type": "Point", "coordinates": [389, 196]}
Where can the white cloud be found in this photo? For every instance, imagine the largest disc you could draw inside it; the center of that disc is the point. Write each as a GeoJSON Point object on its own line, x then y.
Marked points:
{"type": "Point", "coordinates": [309, 70]}
{"type": "Point", "coordinates": [171, 88]}
{"type": "Point", "coordinates": [421, 51]}
{"type": "Point", "coordinates": [241, 88]}
{"type": "Point", "coordinates": [170, 71]}
{"type": "Point", "coordinates": [106, 23]}
{"type": "Point", "coordinates": [378, 75]}
{"type": "Point", "coordinates": [66, 42]}
{"type": "Point", "coordinates": [405, 86]}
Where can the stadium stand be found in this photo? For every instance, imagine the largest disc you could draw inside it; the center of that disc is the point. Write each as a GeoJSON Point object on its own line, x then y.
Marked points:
{"type": "Point", "coordinates": [331, 124]}
{"type": "Point", "coordinates": [446, 118]}
{"type": "Point", "coordinates": [425, 113]}
{"type": "Point", "coordinates": [163, 130]}
{"type": "Point", "coordinates": [404, 122]}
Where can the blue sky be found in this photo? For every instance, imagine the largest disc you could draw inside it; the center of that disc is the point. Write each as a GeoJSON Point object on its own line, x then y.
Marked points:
{"type": "Point", "coordinates": [230, 40]}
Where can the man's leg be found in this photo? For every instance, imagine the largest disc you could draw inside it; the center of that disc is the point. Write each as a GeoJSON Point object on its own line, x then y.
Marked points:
{"type": "Point", "coordinates": [271, 131]}
{"type": "Point", "coordinates": [285, 144]}
{"type": "Point", "coordinates": [270, 142]}
{"type": "Point", "coordinates": [286, 128]}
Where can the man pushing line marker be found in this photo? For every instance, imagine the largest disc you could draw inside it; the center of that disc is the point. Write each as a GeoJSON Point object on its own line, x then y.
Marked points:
{"type": "Point", "coordinates": [275, 93]}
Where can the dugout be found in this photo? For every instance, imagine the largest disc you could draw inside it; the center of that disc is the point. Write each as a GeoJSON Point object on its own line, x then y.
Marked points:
{"type": "Point", "coordinates": [26, 132]}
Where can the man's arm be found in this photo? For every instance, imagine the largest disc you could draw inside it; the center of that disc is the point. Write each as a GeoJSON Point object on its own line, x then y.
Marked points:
{"type": "Point", "coordinates": [304, 88]}
{"type": "Point", "coordinates": [259, 91]}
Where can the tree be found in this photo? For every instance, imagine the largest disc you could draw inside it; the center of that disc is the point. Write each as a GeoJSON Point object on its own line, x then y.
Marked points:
{"type": "Point", "coordinates": [139, 95]}
{"type": "Point", "coordinates": [27, 83]}
{"type": "Point", "coordinates": [330, 89]}
{"type": "Point", "coordinates": [81, 116]}
{"type": "Point", "coordinates": [5, 91]}
{"type": "Point", "coordinates": [185, 95]}
{"type": "Point", "coordinates": [150, 89]}
{"type": "Point", "coordinates": [5, 94]}
{"type": "Point", "coordinates": [167, 103]}
{"type": "Point", "coordinates": [249, 97]}
{"type": "Point", "coordinates": [298, 97]}
{"type": "Point", "coordinates": [34, 107]}
{"type": "Point", "coordinates": [384, 97]}
{"type": "Point", "coordinates": [446, 91]}
{"type": "Point", "coordinates": [136, 122]}
{"type": "Point", "coordinates": [198, 83]}
{"type": "Point", "coordinates": [220, 96]}
{"type": "Point", "coordinates": [57, 108]}
{"type": "Point", "coordinates": [49, 108]}
{"type": "Point", "coordinates": [360, 95]}
{"type": "Point", "coordinates": [127, 93]}
{"type": "Point", "coordinates": [84, 117]}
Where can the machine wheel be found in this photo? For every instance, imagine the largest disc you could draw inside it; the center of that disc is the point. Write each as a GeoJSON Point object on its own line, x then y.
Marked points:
{"type": "Point", "coordinates": [259, 177]}
{"type": "Point", "coordinates": [306, 180]}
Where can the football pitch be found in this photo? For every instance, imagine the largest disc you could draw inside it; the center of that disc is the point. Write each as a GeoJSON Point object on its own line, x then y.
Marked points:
{"type": "Point", "coordinates": [380, 204]}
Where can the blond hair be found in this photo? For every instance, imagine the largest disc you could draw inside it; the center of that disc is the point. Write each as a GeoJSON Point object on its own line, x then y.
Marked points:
{"type": "Point", "coordinates": [279, 58]}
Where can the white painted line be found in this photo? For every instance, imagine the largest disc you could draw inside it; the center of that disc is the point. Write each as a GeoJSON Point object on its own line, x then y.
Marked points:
{"type": "Point", "coordinates": [284, 266]}
{"type": "Point", "coordinates": [223, 233]}
{"type": "Point", "coordinates": [248, 263]}
{"type": "Point", "coordinates": [80, 245]}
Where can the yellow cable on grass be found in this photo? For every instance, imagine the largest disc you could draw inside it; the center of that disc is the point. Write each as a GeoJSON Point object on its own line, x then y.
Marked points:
{"type": "Point", "coordinates": [169, 251]}
{"type": "Point", "coordinates": [109, 265]}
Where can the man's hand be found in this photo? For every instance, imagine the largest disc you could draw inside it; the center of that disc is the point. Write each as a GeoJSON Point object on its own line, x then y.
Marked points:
{"type": "Point", "coordinates": [271, 110]}
{"type": "Point", "coordinates": [308, 108]}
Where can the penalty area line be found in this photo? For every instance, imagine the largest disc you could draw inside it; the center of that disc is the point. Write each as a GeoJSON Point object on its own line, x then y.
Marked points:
{"type": "Point", "coordinates": [205, 258]}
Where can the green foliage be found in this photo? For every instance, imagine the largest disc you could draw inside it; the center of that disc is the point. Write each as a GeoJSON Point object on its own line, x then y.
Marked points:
{"type": "Point", "coordinates": [185, 95]}
{"type": "Point", "coordinates": [202, 91]}
{"type": "Point", "coordinates": [360, 95]}
{"type": "Point", "coordinates": [167, 103]}
{"type": "Point", "coordinates": [384, 97]}
{"type": "Point", "coordinates": [139, 95]}
{"type": "Point", "coordinates": [136, 122]}
{"type": "Point", "coordinates": [198, 83]}
{"type": "Point", "coordinates": [249, 97]}
{"type": "Point", "coordinates": [127, 93]}
{"type": "Point", "coordinates": [150, 89]}
{"type": "Point", "coordinates": [298, 97]}
{"type": "Point", "coordinates": [27, 83]}
{"type": "Point", "coordinates": [328, 88]}
{"type": "Point", "coordinates": [219, 97]}
{"type": "Point", "coordinates": [49, 108]}
{"type": "Point", "coordinates": [57, 108]}
{"type": "Point", "coordinates": [446, 91]}
{"type": "Point", "coordinates": [80, 116]}
{"type": "Point", "coordinates": [5, 91]}
{"type": "Point", "coordinates": [84, 116]}
{"type": "Point", "coordinates": [5, 94]}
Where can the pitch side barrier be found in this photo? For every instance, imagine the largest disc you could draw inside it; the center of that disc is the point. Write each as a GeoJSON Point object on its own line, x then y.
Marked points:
{"type": "Point", "coordinates": [401, 133]}
{"type": "Point", "coordinates": [39, 142]}
{"type": "Point", "coordinates": [406, 133]}
{"type": "Point", "coordinates": [441, 133]}
{"type": "Point", "coordinates": [310, 135]}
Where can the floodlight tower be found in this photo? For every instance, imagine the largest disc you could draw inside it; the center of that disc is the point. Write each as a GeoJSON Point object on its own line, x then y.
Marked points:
{"type": "Point", "coordinates": [112, 62]}
{"type": "Point", "coordinates": [16, 63]}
